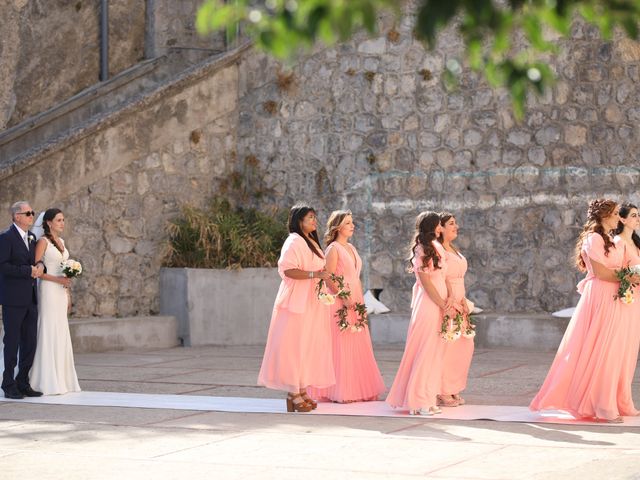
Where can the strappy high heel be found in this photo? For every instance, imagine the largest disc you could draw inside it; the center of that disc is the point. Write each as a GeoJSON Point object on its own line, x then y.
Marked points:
{"type": "Point", "coordinates": [451, 401]}
{"type": "Point", "coordinates": [305, 396]}
{"type": "Point", "coordinates": [426, 412]}
{"type": "Point", "coordinates": [459, 399]}
{"type": "Point", "coordinates": [300, 406]}
{"type": "Point", "coordinates": [613, 420]}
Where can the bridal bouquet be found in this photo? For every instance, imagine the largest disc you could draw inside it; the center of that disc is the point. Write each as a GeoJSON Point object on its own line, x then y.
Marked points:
{"type": "Point", "coordinates": [625, 289]}
{"type": "Point", "coordinates": [71, 268]}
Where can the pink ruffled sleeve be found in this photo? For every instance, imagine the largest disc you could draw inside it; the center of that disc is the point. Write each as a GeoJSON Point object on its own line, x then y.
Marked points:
{"type": "Point", "coordinates": [291, 255]}
{"type": "Point", "coordinates": [293, 294]}
{"type": "Point", "coordinates": [429, 269]}
{"type": "Point", "coordinates": [593, 247]}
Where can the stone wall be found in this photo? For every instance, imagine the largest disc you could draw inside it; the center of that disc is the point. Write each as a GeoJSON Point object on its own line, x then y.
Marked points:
{"type": "Point", "coordinates": [172, 26]}
{"type": "Point", "coordinates": [369, 125]}
{"type": "Point", "coordinates": [118, 182]}
{"type": "Point", "coordinates": [53, 48]}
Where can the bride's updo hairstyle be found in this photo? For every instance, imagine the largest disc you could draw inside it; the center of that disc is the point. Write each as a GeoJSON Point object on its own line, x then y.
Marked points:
{"type": "Point", "coordinates": [296, 216]}
{"type": "Point", "coordinates": [49, 215]}
{"type": "Point", "coordinates": [598, 210]}
{"type": "Point", "coordinates": [334, 224]}
{"type": "Point", "coordinates": [425, 234]}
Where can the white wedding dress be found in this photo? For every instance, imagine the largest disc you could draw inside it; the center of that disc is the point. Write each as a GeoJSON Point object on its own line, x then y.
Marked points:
{"type": "Point", "coordinates": [53, 371]}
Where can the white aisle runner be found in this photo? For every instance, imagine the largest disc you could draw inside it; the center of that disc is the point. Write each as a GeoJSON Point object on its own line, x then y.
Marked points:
{"type": "Point", "coordinates": [271, 405]}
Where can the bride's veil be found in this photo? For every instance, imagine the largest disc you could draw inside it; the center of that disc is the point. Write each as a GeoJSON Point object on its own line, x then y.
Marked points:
{"type": "Point", "coordinates": [38, 229]}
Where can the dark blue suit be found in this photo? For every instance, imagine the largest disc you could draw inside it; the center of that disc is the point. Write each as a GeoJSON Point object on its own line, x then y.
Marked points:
{"type": "Point", "coordinates": [18, 296]}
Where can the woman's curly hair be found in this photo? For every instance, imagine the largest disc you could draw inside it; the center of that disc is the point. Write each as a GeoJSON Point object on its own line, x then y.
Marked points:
{"type": "Point", "coordinates": [424, 236]}
{"type": "Point", "coordinates": [599, 209]}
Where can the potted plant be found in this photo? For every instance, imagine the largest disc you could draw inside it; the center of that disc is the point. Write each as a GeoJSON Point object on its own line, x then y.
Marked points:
{"type": "Point", "coordinates": [219, 277]}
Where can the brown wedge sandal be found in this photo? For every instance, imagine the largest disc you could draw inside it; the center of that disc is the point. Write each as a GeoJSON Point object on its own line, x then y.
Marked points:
{"type": "Point", "coordinates": [295, 403]}
{"type": "Point", "coordinates": [305, 396]}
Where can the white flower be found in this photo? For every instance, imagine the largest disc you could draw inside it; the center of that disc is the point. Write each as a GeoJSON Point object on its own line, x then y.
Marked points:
{"type": "Point", "coordinates": [326, 298]}
{"type": "Point", "coordinates": [469, 334]}
{"type": "Point", "coordinates": [635, 269]}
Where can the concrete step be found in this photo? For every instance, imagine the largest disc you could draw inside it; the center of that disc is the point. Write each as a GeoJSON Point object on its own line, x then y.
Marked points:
{"type": "Point", "coordinates": [109, 333]}
{"type": "Point", "coordinates": [533, 331]}
{"type": "Point", "coordinates": [101, 334]}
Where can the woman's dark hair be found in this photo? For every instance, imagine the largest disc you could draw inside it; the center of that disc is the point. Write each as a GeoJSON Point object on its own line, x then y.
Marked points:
{"type": "Point", "coordinates": [296, 215]}
{"type": "Point", "coordinates": [444, 218]}
{"type": "Point", "coordinates": [49, 215]}
{"type": "Point", "coordinates": [625, 210]}
{"type": "Point", "coordinates": [425, 233]}
{"type": "Point", "coordinates": [598, 210]}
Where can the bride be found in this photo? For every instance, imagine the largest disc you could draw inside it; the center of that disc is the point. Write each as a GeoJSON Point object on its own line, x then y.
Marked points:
{"type": "Point", "coordinates": [53, 370]}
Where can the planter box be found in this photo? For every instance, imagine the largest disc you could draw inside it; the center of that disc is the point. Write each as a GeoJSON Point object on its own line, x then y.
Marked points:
{"type": "Point", "coordinates": [219, 307]}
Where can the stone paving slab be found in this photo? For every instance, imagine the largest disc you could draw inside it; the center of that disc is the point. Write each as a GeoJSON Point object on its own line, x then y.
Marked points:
{"type": "Point", "coordinates": [80, 443]}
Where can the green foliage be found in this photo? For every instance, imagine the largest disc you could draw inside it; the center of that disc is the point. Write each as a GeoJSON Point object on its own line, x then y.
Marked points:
{"type": "Point", "coordinates": [488, 28]}
{"type": "Point", "coordinates": [220, 236]}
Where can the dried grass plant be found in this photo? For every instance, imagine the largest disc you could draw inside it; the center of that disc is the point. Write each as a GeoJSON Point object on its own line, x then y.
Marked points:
{"type": "Point", "coordinates": [221, 236]}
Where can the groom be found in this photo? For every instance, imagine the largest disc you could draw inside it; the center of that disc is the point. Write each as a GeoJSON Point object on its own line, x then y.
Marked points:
{"type": "Point", "coordinates": [18, 274]}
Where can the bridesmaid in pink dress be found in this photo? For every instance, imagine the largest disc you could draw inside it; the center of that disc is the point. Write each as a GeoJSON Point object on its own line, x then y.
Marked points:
{"type": "Point", "coordinates": [357, 375]}
{"type": "Point", "coordinates": [419, 377]}
{"type": "Point", "coordinates": [588, 377]}
{"type": "Point", "coordinates": [627, 239]}
{"type": "Point", "coordinates": [458, 354]}
{"type": "Point", "coordinates": [298, 350]}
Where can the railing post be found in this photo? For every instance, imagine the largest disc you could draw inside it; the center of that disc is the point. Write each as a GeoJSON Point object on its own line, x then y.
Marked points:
{"type": "Point", "coordinates": [104, 40]}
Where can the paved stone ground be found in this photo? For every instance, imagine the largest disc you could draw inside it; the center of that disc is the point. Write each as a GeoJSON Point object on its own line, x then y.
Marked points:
{"type": "Point", "coordinates": [70, 442]}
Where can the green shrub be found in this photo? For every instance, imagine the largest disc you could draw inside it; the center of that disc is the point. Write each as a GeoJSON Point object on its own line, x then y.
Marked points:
{"type": "Point", "coordinates": [221, 236]}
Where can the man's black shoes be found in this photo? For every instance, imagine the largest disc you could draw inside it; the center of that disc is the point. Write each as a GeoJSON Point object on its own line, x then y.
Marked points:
{"type": "Point", "coordinates": [13, 393]}
{"type": "Point", "coordinates": [30, 392]}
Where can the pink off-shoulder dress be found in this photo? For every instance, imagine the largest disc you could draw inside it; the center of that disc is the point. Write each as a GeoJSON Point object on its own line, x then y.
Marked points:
{"type": "Point", "coordinates": [458, 354]}
{"type": "Point", "coordinates": [298, 349]}
{"type": "Point", "coordinates": [419, 377]}
{"type": "Point", "coordinates": [589, 376]}
{"type": "Point", "coordinates": [357, 375]}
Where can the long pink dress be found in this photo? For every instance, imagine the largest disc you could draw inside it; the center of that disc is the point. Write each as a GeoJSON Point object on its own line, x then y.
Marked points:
{"type": "Point", "coordinates": [631, 257]}
{"type": "Point", "coordinates": [357, 375]}
{"type": "Point", "coordinates": [458, 354]}
{"type": "Point", "coordinates": [419, 377]}
{"type": "Point", "coordinates": [298, 350]}
{"type": "Point", "coordinates": [588, 377]}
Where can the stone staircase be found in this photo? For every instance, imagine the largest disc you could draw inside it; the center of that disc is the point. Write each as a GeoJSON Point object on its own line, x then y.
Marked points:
{"type": "Point", "coordinates": [46, 129]}
{"type": "Point", "coordinates": [23, 145]}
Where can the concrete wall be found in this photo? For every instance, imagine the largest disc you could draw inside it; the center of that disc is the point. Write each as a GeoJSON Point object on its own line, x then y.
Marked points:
{"type": "Point", "coordinates": [219, 307]}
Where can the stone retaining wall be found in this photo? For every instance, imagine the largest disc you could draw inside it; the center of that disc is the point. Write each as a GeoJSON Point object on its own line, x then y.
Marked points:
{"type": "Point", "coordinates": [369, 125]}
{"type": "Point", "coordinates": [118, 182]}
